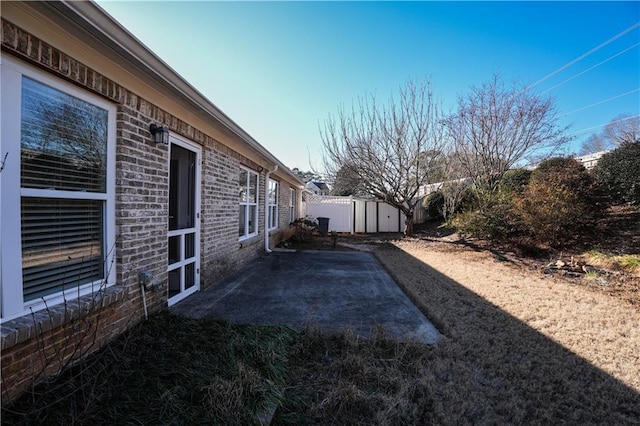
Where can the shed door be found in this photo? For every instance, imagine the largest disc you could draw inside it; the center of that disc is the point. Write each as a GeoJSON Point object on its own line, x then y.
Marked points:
{"type": "Point", "coordinates": [184, 220]}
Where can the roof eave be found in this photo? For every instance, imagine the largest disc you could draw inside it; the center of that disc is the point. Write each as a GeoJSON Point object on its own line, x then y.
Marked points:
{"type": "Point", "coordinates": [90, 17]}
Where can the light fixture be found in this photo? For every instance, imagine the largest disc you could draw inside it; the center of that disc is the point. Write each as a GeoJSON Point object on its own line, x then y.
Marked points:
{"type": "Point", "coordinates": [160, 134]}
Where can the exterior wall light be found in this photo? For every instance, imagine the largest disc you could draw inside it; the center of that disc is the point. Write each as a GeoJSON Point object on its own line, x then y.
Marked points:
{"type": "Point", "coordinates": [160, 134]}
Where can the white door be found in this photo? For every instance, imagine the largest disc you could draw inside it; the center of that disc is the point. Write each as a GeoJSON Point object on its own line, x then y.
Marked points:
{"type": "Point", "coordinates": [184, 220]}
{"type": "Point", "coordinates": [388, 218]}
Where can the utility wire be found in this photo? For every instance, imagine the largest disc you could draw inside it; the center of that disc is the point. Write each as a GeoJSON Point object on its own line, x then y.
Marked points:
{"type": "Point", "coordinates": [588, 129]}
{"type": "Point", "coordinates": [601, 102]}
{"type": "Point", "coordinates": [590, 68]}
{"type": "Point", "coordinates": [581, 57]}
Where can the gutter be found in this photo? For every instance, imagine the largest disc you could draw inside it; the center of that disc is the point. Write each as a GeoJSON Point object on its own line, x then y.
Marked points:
{"type": "Point", "coordinates": [89, 17]}
{"type": "Point", "coordinates": [266, 207]}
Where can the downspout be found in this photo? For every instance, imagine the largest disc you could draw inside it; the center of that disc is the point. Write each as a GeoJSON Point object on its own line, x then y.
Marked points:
{"type": "Point", "coordinates": [266, 208]}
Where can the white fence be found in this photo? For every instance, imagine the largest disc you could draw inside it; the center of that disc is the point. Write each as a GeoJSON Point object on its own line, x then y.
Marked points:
{"type": "Point", "coordinates": [356, 215]}
{"type": "Point", "coordinates": [339, 210]}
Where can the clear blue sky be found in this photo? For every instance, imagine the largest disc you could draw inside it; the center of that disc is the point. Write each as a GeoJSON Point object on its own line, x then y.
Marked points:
{"type": "Point", "coordinates": [279, 68]}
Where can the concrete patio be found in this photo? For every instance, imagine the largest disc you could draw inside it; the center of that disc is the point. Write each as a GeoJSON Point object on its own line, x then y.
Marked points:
{"type": "Point", "coordinates": [330, 290]}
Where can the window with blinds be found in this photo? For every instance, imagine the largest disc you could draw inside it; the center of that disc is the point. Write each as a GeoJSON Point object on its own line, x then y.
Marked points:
{"type": "Point", "coordinates": [63, 150]}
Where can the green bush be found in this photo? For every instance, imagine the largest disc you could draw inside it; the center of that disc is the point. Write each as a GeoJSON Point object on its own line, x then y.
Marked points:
{"type": "Point", "coordinates": [493, 219]}
{"type": "Point", "coordinates": [514, 181]}
{"type": "Point", "coordinates": [618, 173]}
{"type": "Point", "coordinates": [493, 215]}
{"type": "Point", "coordinates": [559, 202]}
{"type": "Point", "coordinates": [433, 204]}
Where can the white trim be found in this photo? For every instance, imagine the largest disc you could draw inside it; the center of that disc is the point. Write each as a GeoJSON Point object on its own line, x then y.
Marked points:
{"type": "Point", "coordinates": [292, 204]}
{"type": "Point", "coordinates": [13, 304]}
{"type": "Point", "coordinates": [255, 205]}
{"type": "Point", "coordinates": [270, 205]}
{"type": "Point", "coordinates": [12, 298]}
{"type": "Point", "coordinates": [197, 149]}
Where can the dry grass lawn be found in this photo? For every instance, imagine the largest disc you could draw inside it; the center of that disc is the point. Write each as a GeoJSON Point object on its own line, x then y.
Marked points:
{"type": "Point", "coordinates": [519, 347]}
{"type": "Point", "coordinates": [599, 328]}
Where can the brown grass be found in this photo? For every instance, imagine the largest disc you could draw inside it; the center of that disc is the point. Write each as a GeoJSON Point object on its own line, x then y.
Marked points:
{"type": "Point", "coordinates": [528, 348]}
{"type": "Point", "coordinates": [519, 347]}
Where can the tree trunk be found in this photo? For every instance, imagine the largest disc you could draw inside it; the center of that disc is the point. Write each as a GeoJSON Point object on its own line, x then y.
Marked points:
{"type": "Point", "coordinates": [408, 230]}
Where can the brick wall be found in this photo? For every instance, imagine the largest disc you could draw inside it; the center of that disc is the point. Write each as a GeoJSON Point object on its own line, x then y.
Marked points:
{"type": "Point", "coordinates": [50, 349]}
{"type": "Point", "coordinates": [141, 218]}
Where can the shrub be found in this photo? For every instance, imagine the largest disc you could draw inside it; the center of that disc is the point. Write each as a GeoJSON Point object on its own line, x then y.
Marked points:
{"type": "Point", "coordinates": [618, 173]}
{"type": "Point", "coordinates": [514, 181]}
{"type": "Point", "coordinates": [453, 197]}
{"type": "Point", "coordinates": [304, 228]}
{"type": "Point", "coordinates": [493, 219]}
{"type": "Point", "coordinates": [433, 204]}
{"type": "Point", "coordinates": [559, 201]}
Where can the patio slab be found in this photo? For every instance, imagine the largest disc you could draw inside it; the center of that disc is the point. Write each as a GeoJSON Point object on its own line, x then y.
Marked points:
{"type": "Point", "coordinates": [330, 290]}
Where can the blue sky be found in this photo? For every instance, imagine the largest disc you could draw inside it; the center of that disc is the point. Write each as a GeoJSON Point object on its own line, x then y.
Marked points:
{"type": "Point", "coordinates": [278, 69]}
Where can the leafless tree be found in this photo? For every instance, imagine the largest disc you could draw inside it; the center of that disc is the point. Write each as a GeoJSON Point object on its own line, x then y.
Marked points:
{"type": "Point", "coordinates": [307, 176]}
{"type": "Point", "coordinates": [385, 145]}
{"type": "Point", "coordinates": [497, 126]}
{"type": "Point", "coordinates": [595, 143]}
{"type": "Point", "coordinates": [622, 129]}
{"type": "Point", "coordinates": [72, 134]}
{"type": "Point", "coordinates": [347, 182]}
{"type": "Point", "coordinates": [456, 184]}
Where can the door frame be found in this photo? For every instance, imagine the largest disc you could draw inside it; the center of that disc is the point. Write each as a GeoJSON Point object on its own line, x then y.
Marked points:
{"type": "Point", "coordinates": [197, 149]}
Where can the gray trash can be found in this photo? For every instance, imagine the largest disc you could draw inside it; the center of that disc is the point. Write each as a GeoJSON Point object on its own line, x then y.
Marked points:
{"type": "Point", "coordinates": [323, 224]}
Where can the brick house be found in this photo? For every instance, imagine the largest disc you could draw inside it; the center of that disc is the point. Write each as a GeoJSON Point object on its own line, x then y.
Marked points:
{"type": "Point", "coordinates": [118, 173]}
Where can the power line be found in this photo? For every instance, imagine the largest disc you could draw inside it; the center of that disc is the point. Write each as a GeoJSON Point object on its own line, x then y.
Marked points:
{"type": "Point", "coordinates": [590, 68]}
{"type": "Point", "coordinates": [588, 129]}
{"type": "Point", "coordinates": [601, 102]}
{"type": "Point", "coordinates": [581, 57]}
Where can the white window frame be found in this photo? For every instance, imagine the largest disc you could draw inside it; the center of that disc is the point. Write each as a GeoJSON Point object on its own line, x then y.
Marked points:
{"type": "Point", "coordinates": [250, 204]}
{"type": "Point", "coordinates": [292, 205]}
{"type": "Point", "coordinates": [197, 150]}
{"type": "Point", "coordinates": [272, 204]}
{"type": "Point", "coordinates": [12, 301]}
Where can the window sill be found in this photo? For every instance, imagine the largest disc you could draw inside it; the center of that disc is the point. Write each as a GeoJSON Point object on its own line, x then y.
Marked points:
{"type": "Point", "coordinates": [23, 328]}
{"type": "Point", "coordinates": [248, 238]}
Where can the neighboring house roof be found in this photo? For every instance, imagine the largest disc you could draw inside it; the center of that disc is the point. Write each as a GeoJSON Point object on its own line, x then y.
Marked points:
{"type": "Point", "coordinates": [87, 18]}
{"type": "Point", "coordinates": [318, 186]}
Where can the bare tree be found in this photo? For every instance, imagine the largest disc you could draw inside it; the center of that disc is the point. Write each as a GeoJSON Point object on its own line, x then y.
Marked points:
{"type": "Point", "coordinates": [455, 186]}
{"type": "Point", "coordinates": [385, 145]}
{"type": "Point", "coordinates": [595, 143]}
{"type": "Point", "coordinates": [347, 182]}
{"type": "Point", "coordinates": [497, 126]}
{"type": "Point", "coordinates": [622, 129]}
{"type": "Point", "coordinates": [307, 176]}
